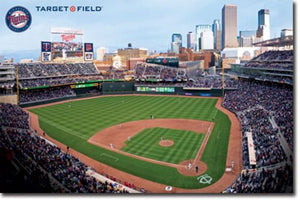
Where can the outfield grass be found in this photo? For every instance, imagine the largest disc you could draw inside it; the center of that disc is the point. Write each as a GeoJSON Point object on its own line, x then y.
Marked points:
{"type": "Point", "coordinates": [146, 144]}
{"type": "Point", "coordinates": [73, 123]}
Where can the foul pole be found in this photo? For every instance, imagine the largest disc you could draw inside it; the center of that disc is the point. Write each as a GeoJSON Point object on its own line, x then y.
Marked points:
{"type": "Point", "coordinates": [222, 79]}
{"type": "Point", "coordinates": [17, 79]}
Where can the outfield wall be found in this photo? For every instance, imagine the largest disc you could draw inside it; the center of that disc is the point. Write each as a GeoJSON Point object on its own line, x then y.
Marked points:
{"type": "Point", "coordinates": [117, 87]}
{"type": "Point", "coordinates": [121, 87]}
{"type": "Point", "coordinates": [171, 90]}
{"type": "Point", "coordinates": [130, 88]}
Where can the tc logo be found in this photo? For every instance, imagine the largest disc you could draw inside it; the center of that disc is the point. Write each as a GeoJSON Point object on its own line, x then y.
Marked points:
{"type": "Point", "coordinates": [18, 19]}
{"type": "Point", "coordinates": [205, 179]}
{"type": "Point", "coordinates": [46, 46]}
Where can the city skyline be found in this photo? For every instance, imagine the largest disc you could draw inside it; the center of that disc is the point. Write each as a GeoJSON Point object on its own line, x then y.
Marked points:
{"type": "Point", "coordinates": [144, 24]}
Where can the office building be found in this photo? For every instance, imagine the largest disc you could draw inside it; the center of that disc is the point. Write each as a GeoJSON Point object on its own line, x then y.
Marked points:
{"type": "Point", "coordinates": [286, 32]}
{"type": "Point", "coordinates": [229, 26]}
{"type": "Point", "coordinates": [130, 52]}
{"type": "Point", "coordinates": [101, 52]}
{"type": "Point", "coordinates": [247, 37]}
{"type": "Point", "coordinates": [206, 40]}
{"type": "Point", "coordinates": [199, 29]}
{"type": "Point", "coordinates": [216, 28]}
{"type": "Point", "coordinates": [263, 30]}
{"type": "Point", "coordinates": [190, 40]}
{"type": "Point", "coordinates": [176, 42]}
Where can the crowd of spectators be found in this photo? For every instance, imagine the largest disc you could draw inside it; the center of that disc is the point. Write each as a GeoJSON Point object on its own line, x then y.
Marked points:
{"type": "Point", "coordinates": [276, 78]}
{"type": "Point", "coordinates": [256, 104]}
{"type": "Point", "coordinates": [169, 74]}
{"type": "Point", "coordinates": [267, 145]}
{"type": "Point", "coordinates": [251, 93]}
{"type": "Point", "coordinates": [53, 81]}
{"type": "Point", "coordinates": [115, 74]}
{"type": "Point", "coordinates": [139, 71]}
{"type": "Point", "coordinates": [152, 71]}
{"type": "Point", "coordinates": [46, 75]}
{"type": "Point", "coordinates": [287, 55]}
{"type": "Point", "coordinates": [45, 161]}
{"type": "Point", "coordinates": [273, 60]}
{"type": "Point", "coordinates": [147, 71]}
{"type": "Point", "coordinates": [270, 65]}
{"type": "Point", "coordinates": [18, 178]}
{"type": "Point", "coordinates": [272, 97]}
{"type": "Point", "coordinates": [13, 116]}
{"type": "Point", "coordinates": [49, 70]}
{"type": "Point", "coordinates": [31, 96]}
{"type": "Point", "coordinates": [274, 180]}
{"type": "Point", "coordinates": [284, 118]}
{"type": "Point", "coordinates": [212, 82]}
{"type": "Point", "coordinates": [274, 66]}
{"type": "Point", "coordinates": [181, 73]}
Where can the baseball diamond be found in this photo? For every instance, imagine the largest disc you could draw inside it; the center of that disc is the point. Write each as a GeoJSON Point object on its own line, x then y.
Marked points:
{"type": "Point", "coordinates": [76, 123]}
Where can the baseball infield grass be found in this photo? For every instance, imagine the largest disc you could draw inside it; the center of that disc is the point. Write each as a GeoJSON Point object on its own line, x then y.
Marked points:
{"type": "Point", "coordinates": [73, 123]}
{"type": "Point", "coordinates": [146, 144]}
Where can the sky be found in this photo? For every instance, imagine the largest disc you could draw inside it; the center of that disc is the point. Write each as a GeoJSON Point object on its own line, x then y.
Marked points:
{"type": "Point", "coordinates": [144, 23]}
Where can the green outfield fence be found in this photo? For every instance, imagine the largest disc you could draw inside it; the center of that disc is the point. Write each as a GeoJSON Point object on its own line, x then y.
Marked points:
{"type": "Point", "coordinates": [125, 87]}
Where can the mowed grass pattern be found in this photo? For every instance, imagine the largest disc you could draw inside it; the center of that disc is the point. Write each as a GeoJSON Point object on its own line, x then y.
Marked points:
{"type": "Point", "coordinates": [146, 144]}
{"type": "Point", "coordinates": [73, 123]}
{"type": "Point", "coordinates": [85, 118]}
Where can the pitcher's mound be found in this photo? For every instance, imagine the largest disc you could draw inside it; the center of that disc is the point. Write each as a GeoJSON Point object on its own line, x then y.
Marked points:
{"type": "Point", "coordinates": [166, 143]}
{"type": "Point", "coordinates": [184, 169]}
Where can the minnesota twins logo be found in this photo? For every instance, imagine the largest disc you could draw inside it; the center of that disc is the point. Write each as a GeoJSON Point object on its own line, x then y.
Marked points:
{"type": "Point", "coordinates": [205, 179]}
{"type": "Point", "coordinates": [18, 19]}
{"type": "Point", "coordinates": [46, 46]}
{"type": "Point", "coordinates": [88, 47]}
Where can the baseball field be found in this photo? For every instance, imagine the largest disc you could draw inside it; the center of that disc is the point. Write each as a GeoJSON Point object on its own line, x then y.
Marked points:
{"type": "Point", "coordinates": [104, 129]}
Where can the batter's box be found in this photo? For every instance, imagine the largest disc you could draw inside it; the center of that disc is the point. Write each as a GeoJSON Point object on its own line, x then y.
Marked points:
{"type": "Point", "coordinates": [109, 156]}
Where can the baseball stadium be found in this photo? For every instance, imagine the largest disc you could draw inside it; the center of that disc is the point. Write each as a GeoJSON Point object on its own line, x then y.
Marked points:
{"type": "Point", "coordinates": [157, 125]}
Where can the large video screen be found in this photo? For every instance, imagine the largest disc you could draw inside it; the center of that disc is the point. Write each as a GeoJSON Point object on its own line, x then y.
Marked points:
{"type": "Point", "coordinates": [68, 46]}
{"type": "Point", "coordinates": [67, 49]}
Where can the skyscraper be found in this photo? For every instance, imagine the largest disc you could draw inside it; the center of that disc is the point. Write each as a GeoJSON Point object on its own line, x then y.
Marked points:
{"type": "Point", "coordinates": [101, 52]}
{"type": "Point", "coordinates": [206, 40]}
{"type": "Point", "coordinates": [216, 28]}
{"type": "Point", "coordinates": [190, 40]}
{"type": "Point", "coordinates": [263, 29]}
{"type": "Point", "coordinates": [247, 37]}
{"type": "Point", "coordinates": [229, 26]}
{"type": "Point", "coordinates": [199, 29]}
{"type": "Point", "coordinates": [176, 42]}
